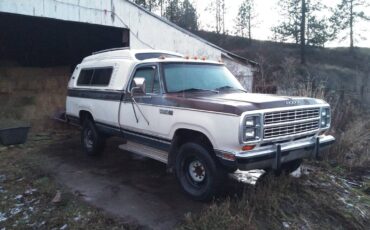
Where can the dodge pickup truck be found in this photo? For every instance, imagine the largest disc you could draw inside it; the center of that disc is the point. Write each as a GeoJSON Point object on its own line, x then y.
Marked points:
{"type": "Point", "coordinates": [192, 115]}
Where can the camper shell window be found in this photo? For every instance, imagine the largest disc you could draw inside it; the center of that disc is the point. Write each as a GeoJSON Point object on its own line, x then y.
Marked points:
{"type": "Point", "coordinates": [95, 76]}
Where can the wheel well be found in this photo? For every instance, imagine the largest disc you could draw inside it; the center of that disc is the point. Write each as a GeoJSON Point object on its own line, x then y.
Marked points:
{"type": "Point", "coordinates": [85, 115]}
{"type": "Point", "coordinates": [183, 136]}
{"type": "Point", "coordinates": [187, 135]}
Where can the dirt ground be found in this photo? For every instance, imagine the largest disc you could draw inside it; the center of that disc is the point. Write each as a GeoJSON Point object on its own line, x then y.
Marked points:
{"type": "Point", "coordinates": [134, 188]}
{"type": "Point", "coordinates": [120, 190]}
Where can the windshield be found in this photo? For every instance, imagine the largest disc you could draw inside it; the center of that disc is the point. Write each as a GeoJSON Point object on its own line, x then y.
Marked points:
{"type": "Point", "coordinates": [181, 77]}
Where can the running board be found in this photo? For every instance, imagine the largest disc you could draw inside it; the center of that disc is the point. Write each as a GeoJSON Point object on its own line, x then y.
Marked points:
{"type": "Point", "coordinates": [146, 151]}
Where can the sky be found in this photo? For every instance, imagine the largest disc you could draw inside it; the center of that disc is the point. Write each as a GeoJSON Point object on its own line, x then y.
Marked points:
{"type": "Point", "coordinates": [267, 17]}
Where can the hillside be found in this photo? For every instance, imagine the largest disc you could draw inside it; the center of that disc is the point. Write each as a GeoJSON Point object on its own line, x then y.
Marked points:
{"type": "Point", "coordinates": [334, 69]}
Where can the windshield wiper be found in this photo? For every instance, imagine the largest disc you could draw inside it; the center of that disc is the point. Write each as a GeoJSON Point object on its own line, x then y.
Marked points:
{"type": "Point", "coordinates": [230, 87]}
{"type": "Point", "coordinates": [196, 89]}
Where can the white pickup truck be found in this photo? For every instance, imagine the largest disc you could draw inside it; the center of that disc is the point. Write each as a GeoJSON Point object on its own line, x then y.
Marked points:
{"type": "Point", "coordinates": [192, 115]}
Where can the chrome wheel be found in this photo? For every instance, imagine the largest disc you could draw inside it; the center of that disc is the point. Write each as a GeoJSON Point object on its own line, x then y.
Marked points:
{"type": "Point", "coordinates": [197, 171]}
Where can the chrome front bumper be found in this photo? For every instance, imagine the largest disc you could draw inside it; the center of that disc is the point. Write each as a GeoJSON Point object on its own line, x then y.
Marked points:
{"type": "Point", "coordinates": [273, 156]}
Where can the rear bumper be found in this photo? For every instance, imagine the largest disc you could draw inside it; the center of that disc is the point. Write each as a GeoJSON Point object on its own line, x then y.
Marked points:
{"type": "Point", "coordinates": [274, 156]}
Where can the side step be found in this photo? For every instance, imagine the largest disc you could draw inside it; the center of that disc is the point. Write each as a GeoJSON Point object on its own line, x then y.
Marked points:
{"type": "Point", "coordinates": [146, 151]}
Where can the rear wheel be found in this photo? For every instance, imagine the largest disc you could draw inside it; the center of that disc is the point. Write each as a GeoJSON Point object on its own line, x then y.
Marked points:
{"type": "Point", "coordinates": [92, 141]}
{"type": "Point", "coordinates": [198, 173]}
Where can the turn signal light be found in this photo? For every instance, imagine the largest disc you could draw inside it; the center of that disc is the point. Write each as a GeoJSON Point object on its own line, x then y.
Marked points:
{"type": "Point", "coordinates": [228, 156]}
{"type": "Point", "coordinates": [248, 147]}
{"type": "Point", "coordinates": [195, 58]}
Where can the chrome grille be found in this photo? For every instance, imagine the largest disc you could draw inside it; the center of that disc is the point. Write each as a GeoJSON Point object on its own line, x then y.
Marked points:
{"type": "Point", "coordinates": [291, 129]}
{"type": "Point", "coordinates": [291, 115]}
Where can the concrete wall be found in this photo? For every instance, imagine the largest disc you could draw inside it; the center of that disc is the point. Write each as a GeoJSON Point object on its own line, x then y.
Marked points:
{"type": "Point", "coordinates": [146, 30]}
{"type": "Point", "coordinates": [242, 72]}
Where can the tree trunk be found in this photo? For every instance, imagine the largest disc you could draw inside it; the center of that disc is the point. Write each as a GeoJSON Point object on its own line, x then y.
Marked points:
{"type": "Point", "coordinates": [303, 31]}
{"type": "Point", "coordinates": [223, 17]}
{"type": "Point", "coordinates": [249, 27]}
{"type": "Point", "coordinates": [161, 4]}
{"type": "Point", "coordinates": [351, 26]}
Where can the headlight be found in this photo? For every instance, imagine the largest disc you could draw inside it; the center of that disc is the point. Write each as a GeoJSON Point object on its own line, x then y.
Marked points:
{"type": "Point", "coordinates": [250, 133]}
{"type": "Point", "coordinates": [249, 121]}
{"type": "Point", "coordinates": [325, 118]}
{"type": "Point", "coordinates": [251, 128]}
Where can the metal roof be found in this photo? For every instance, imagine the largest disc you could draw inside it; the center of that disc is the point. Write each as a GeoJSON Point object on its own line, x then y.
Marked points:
{"type": "Point", "coordinates": [228, 53]}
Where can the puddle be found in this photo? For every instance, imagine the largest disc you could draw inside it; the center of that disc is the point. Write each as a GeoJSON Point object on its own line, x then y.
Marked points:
{"type": "Point", "coordinates": [248, 177]}
{"type": "Point", "coordinates": [2, 217]}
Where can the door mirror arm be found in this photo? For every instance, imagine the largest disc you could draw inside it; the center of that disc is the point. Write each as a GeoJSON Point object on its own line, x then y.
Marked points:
{"type": "Point", "coordinates": [140, 86]}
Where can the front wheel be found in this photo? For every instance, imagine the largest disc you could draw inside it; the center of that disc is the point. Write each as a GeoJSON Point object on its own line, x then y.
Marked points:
{"type": "Point", "coordinates": [92, 141]}
{"type": "Point", "coordinates": [292, 166]}
{"type": "Point", "coordinates": [198, 172]}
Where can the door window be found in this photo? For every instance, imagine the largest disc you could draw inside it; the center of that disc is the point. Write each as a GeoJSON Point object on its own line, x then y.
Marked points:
{"type": "Point", "coordinates": [152, 85]}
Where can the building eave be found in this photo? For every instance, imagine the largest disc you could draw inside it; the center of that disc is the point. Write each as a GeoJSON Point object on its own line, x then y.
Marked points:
{"type": "Point", "coordinates": [225, 52]}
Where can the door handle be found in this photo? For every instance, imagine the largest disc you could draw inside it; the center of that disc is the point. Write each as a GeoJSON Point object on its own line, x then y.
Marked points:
{"type": "Point", "coordinates": [166, 112]}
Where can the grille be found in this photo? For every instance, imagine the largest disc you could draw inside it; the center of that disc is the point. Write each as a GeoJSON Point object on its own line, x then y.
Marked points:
{"type": "Point", "coordinates": [291, 115]}
{"type": "Point", "coordinates": [286, 130]}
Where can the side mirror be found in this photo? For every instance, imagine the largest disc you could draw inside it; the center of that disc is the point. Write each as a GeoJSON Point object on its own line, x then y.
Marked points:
{"type": "Point", "coordinates": [139, 86]}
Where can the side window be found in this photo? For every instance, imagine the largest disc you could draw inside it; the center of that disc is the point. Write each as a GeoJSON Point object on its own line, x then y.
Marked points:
{"type": "Point", "coordinates": [95, 77]}
{"type": "Point", "coordinates": [152, 84]}
{"type": "Point", "coordinates": [85, 77]}
{"type": "Point", "coordinates": [102, 76]}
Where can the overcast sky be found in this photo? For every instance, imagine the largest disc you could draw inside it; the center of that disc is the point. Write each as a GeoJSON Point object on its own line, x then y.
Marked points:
{"type": "Point", "coordinates": [268, 16]}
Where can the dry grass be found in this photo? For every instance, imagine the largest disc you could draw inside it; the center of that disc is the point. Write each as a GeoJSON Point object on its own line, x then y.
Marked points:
{"type": "Point", "coordinates": [353, 145]}
{"type": "Point", "coordinates": [324, 199]}
{"type": "Point", "coordinates": [33, 94]}
{"type": "Point", "coordinates": [338, 86]}
{"type": "Point", "coordinates": [313, 202]}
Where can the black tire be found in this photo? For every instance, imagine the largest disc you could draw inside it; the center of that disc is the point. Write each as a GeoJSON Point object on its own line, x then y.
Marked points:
{"type": "Point", "coordinates": [92, 141]}
{"type": "Point", "coordinates": [291, 166]}
{"type": "Point", "coordinates": [198, 172]}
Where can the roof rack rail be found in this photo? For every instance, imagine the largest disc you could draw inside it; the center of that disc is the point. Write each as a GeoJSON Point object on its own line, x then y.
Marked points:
{"type": "Point", "coordinates": [112, 49]}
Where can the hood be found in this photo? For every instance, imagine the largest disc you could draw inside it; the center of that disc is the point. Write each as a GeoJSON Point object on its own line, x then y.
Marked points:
{"type": "Point", "coordinates": [263, 101]}
{"type": "Point", "coordinates": [237, 103]}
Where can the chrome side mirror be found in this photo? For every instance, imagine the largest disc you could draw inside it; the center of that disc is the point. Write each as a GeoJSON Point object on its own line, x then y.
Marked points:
{"type": "Point", "coordinates": [139, 86]}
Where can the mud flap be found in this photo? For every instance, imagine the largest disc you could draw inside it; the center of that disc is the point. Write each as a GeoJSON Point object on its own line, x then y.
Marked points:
{"type": "Point", "coordinates": [277, 161]}
{"type": "Point", "coordinates": [317, 149]}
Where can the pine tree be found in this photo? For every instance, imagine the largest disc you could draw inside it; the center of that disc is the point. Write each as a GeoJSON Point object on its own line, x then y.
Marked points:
{"type": "Point", "coordinates": [182, 13]}
{"type": "Point", "coordinates": [347, 14]}
{"type": "Point", "coordinates": [289, 28]}
{"type": "Point", "coordinates": [218, 9]}
{"type": "Point", "coordinates": [317, 26]}
{"type": "Point", "coordinates": [244, 20]}
{"type": "Point", "coordinates": [173, 11]}
{"type": "Point", "coordinates": [189, 17]}
{"type": "Point", "coordinates": [304, 24]}
{"type": "Point", "coordinates": [147, 4]}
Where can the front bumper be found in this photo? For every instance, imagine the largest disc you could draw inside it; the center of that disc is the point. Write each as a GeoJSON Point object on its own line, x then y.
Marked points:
{"type": "Point", "coordinates": [273, 156]}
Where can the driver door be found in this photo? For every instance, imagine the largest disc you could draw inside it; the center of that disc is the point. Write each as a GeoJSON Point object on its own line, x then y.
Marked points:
{"type": "Point", "coordinates": [141, 117]}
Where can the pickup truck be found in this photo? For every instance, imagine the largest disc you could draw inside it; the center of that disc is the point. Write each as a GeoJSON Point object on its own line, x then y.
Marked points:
{"type": "Point", "coordinates": [192, 115]}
